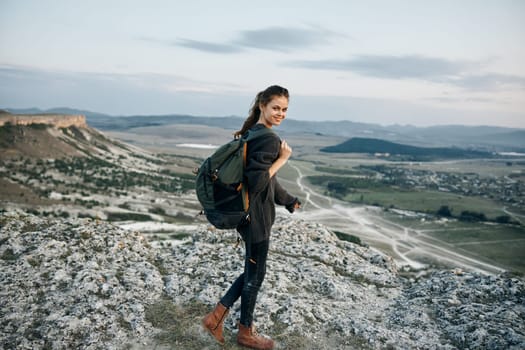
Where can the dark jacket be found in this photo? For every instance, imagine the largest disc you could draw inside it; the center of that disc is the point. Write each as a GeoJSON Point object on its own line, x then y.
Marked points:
{"type": "Point", "coordinates": [264, 192]}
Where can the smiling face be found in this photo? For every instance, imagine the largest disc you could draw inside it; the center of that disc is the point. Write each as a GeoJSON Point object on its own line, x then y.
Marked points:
{"type": "Point", "coordinates": [274, 112]}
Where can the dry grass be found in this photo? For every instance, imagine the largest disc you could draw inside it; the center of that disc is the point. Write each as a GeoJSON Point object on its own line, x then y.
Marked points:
{"type": "Point", "coordinates": [180, 328]}
{"type": "Point", "coordinates": [180, 325]}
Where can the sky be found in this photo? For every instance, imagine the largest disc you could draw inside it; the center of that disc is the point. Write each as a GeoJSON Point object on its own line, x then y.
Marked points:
{"type": "Point", "coordinates": [424, 62]}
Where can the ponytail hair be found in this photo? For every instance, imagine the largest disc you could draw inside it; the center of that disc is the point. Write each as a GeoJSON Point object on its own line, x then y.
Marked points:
{"type": "Point", "coordinates": [262, 98]}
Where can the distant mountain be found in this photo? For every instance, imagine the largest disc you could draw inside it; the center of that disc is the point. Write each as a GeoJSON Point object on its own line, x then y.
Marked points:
{"type": "Point", "coordinates": [368, 145]}
{"type": "Point", "coordinates": [485, 138]}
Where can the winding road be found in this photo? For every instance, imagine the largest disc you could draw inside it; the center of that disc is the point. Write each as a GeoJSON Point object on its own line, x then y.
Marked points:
{"type": "Point", "coordinates": [408, 246]}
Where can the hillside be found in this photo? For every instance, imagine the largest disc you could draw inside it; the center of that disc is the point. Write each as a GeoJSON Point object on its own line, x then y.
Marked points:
{"type": "Point", "coordinates": [57, 165]}
{"type": "Point", "coordinates": [373, 146]}
{"type": "Point", "coordinates": [86, 284]}
{"type": "Point", "coordinates": [54, 136]}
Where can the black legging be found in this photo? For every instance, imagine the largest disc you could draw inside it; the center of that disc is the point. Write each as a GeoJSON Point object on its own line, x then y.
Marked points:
{"type": "Point", "coordinates": [247, 285]}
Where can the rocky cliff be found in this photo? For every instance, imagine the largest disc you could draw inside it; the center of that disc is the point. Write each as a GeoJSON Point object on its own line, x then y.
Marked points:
{"type": "Point", "coordinates": [90, 285]}
{"type": "Point", "coordinates": [56, 136]}
{"type": "Point", "coordinates": [56, 120]}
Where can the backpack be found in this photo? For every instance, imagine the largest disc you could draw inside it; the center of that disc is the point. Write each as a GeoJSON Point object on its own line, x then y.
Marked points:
{"type": "Point", "coordinates": [220, 185]}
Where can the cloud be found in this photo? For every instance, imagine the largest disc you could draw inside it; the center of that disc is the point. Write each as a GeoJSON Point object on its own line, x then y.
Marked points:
{"type": "Point", "coordinates": [209, 47]}
{"type": "Point", "coordinates": [391, 111]}
{"type": "Point", "coordinates": [112, 93]}
{"type": "Point", "coordinates": [151, 81]}
{"type": "Point", "coordinates": [205, 46]}
{"type": "Point", "coordinates": [490, 81]}
{"type": "Point", "coordinates": [281, 39]}
{"type": "Point", "coordinates": [391, 67]}
{"type": "Point", "coordinates": [437, 70]}
{"type": "Point", "coordinates": [285, 39]}
{"type": "Point", "coordinates": [145, 93]}
{"type": "Point", "coordinates": [455, 100]}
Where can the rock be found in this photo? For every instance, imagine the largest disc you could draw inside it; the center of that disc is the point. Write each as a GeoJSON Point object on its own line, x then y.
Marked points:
{"type": "Point", "coordinates": [88, 285]}
{"type": "Point", "coordinates": [66, 288]}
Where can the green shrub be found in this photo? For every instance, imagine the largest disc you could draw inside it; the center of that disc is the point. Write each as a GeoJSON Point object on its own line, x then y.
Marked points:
{"type": "Point", "coordinates": [467, 215]}
{"type": "Point", "coordinates": [445, 211]}
{"type": "Point", "coordinates": [157, 210]}
{"type": "Point", "coordinates": [348, 237]}
{"type": "Point", "coordinates": [503, 219]}
{"type": "Point", "coordinates": [128, 217]}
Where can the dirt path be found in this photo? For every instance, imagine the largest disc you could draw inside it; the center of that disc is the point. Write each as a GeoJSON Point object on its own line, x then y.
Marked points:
{"type": "Point", "coordinates": [515, 216]}
{"type": "Point", "coordinates": [408, 246]}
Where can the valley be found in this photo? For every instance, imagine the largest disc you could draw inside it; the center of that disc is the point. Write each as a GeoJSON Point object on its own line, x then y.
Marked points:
{"type": "Point", "coordinates": [418, 238]}
{"type": "Point", "coordinates": [397, 217]}
{"type": "Point", "coordinates": [466, 214]}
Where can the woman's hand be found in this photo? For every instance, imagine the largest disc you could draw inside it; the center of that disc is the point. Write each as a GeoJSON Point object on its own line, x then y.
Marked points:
{"type": "Point", "coordinates": [296, 204]}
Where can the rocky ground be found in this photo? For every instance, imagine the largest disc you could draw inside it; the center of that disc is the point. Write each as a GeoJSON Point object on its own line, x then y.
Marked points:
{"type": "Point", "coordinates": [86, 284]}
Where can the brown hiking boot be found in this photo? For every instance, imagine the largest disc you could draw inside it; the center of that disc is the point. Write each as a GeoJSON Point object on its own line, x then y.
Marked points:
{"type": "Point", "coordinates": [214, 321]}
{"type": "Point", "coordinates": [248, 337]}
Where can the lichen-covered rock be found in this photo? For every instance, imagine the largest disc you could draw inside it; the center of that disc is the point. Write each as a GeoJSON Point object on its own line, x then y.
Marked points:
{"type": "Point", "coordinates": [317, 285]}
{"type": "Point", "coordinates": [472, 311]}
{"type": "Point", "coordinates": [86, 284]}
{"type": "Point", "coordinates": [73, 284]}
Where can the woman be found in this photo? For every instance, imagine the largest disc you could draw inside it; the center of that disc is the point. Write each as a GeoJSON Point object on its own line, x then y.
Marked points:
{"type": "Point", "coordinates": [265, 156]}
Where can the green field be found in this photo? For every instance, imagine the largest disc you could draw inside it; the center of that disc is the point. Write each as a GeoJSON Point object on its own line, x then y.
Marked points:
{"type": "Point", "coordinates": [497, 244]}
{"type": "Point", "coordinates": [501, 245]}
{"type": "Point", "coordinates": [426, 201]}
